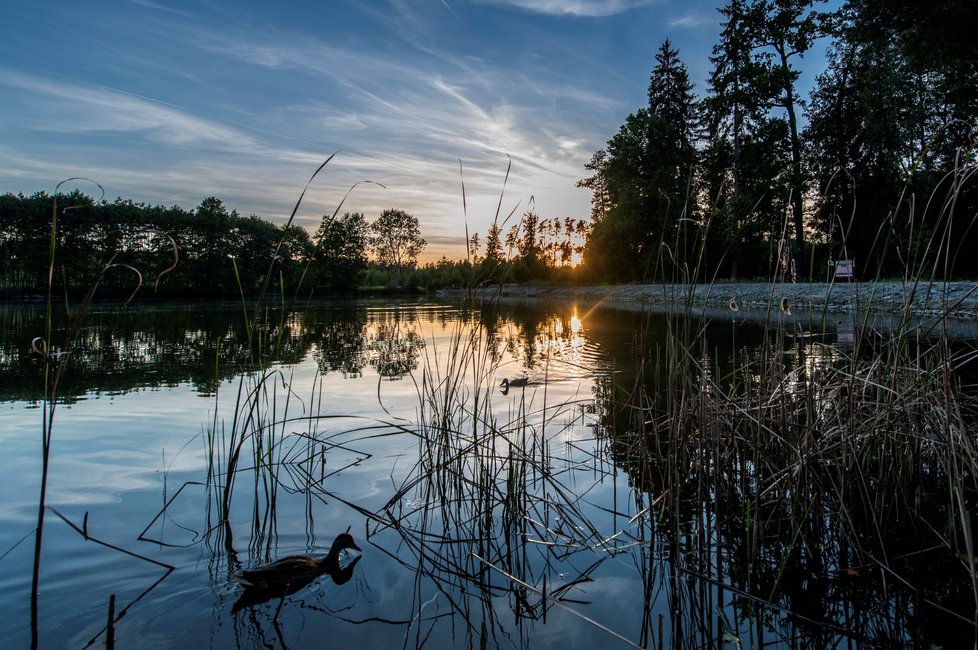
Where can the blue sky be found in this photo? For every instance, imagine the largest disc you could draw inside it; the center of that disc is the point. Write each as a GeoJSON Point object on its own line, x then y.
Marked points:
{"type": "Point", "coordinates": [170, 101]}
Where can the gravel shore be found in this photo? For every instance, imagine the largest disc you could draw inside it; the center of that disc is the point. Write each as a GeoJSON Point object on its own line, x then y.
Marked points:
{"type": "Point", "coordinates": [884, 301]}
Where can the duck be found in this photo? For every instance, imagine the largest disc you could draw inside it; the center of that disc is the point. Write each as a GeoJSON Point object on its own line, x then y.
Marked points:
{"type": "Point", "coordinates": [514, 382]}
{"type": "Point", "coordinates": [288, 575]}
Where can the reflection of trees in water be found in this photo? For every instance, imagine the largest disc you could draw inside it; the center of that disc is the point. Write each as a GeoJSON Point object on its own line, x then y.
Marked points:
{"type": "Point", "coordinates": [340, 347]}
{"type": "Point", "coordinates": [123, 350]}
{"type": "Point", "coordinates": [731, 537]}
{"type": "Point", "coordinates": [393, 345]}
{"type": "Point", "coordinates": [562, 341]}
{"type": "Point", "coordinates": [387, 341]}
{"type": "Point", "coordinates": [533, 336]}
{"type": "Point", "coordinates": [751, 518]}
{"type": "Point", "coordinates": [119, 351]}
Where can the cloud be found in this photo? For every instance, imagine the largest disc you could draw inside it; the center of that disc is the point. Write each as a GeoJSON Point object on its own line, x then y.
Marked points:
{"type": "Point", "coordinates": [585, 8]}
{"type": "Point", "coordinates": [403, 116]}
{"type": "Point", "coordinates": [417, 117]}
{"type": "Point", "coordinates": [160, 7]}
{"type": "Point", "coordinates": [63, 106]}
{"type": "Point", "coordinates": [694, 20]}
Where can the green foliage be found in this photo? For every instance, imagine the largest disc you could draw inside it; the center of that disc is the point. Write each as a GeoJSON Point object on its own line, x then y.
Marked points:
{"type": "Point", "coordinates": [375, 278]}
{"type": "Point", "coordinates": [443, 274]}
{"type": "Point", "coordinates": [889, 121]}
{"type": "Point", "coordinates": [341, 252]}
{"type": "Point", "coordinates": [887, 157]}
{"type": "Point", "coordinates": [753, 114]}
{"type": "Point", "coordinates": [90, 234]}
{"type": "Point", "coordinates": [396, 242]}
{"type": "Point", "coordinates": [494, 246]}
{"type": "Point", "coordinates": [534, 249]}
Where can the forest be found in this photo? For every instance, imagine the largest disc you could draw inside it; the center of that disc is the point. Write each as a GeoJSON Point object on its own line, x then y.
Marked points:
{"type": "Point", "coordinates": [753, 180]}
{"type": "Point", "coordinates": [209, 251]}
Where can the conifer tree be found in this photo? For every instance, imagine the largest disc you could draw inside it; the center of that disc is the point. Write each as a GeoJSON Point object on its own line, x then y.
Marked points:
{"type": "Point", "coordinates": [754, 104]}
{"type": "Point", "coordinates": [894, 112]}
{"type": "Point", "coordinates": [641, 180]}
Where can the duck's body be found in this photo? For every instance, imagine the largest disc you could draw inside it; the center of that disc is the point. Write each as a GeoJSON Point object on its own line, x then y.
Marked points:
{"type": "Point", "coordinates": [514, 382]}
{"type": "Point", "coordinates": [295, 568]}
{"type": "Point", "coordinates": [290, 574]}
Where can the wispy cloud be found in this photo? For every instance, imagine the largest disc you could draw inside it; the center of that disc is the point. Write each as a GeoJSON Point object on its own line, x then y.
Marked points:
{"type": "Point", "coordinates": [412, 145]}
{"type": "Point", "coordinates": [694, 19]}
{"type": "Point", "coordinates": [161, 7]}
{"type": "Point", "coordinates": [414, 113]}
{"type": "Point", "coordinates": [588, 8]}
{"type": "Point", "coordinates": [63, 106]}
{"type": "Point", "coordinates": [449, 7]}
{"type": "Point", "coordinates": [246, 114]}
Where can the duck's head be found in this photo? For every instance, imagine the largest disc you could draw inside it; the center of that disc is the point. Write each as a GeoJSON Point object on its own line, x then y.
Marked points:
{"type": "Point", "coordinates": [343, 542]}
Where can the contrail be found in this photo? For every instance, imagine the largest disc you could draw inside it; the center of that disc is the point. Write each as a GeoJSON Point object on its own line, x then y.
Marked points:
{"type": "Point", "coordinates": [449, 8]}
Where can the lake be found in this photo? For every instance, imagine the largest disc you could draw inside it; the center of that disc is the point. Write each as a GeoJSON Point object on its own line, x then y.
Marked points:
{"type": "Point", "coordinates": [656, 482]}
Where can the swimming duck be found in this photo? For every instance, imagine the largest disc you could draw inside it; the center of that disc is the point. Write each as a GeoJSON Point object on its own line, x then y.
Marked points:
{"type": "Point", "coordinates": [514, 382]}
{"type": "Point", "coordinates": [288, 575]}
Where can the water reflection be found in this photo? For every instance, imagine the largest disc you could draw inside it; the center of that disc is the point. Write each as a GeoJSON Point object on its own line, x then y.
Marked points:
{"type": "Point", "coordinates": [649, 486]}
{"type": "Point", "coordinates": [771, 498]}
{"type": "Point", "coordinates": [123, 350]}
{"type": "Point", "coordinates": [340, 345]}
{"type": "Point", "coordinates": [394, 345]}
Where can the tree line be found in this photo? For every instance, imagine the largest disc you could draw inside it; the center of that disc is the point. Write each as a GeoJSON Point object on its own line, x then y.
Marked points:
{"type": "Point", "coordinates": [534, 248]}
{"type": "Point", "coordinates": [217, 252]}
{"type": "Point", "coordinates": [753, 180]}
{"type": "Point", "coordinates": [206, 251]}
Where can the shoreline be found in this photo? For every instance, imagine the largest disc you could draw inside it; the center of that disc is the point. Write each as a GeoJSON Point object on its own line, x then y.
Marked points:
{"type": "Point", "coordinates": [876, 303]}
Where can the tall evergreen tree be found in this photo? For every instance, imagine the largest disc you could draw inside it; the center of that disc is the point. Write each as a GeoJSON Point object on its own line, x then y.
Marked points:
{"type": "Point", "coordinates": [642, 179]}
{"type": "Point", "coordinates": [494, 246]}
{"type": "Point", "coordinates": [786, 29]}
{"type": "Point", "coordinates": [754, 104]}
{"type": "Point", "coordinates": [745, 153]}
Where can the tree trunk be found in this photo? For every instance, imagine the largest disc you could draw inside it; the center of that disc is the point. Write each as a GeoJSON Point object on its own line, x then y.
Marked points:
{"type": "Point", "coordinates": [797, 187]}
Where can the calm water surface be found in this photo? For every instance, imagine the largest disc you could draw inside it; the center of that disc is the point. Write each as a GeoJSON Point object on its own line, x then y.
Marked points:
{"type": "Point", "coordinates": [152, 405]}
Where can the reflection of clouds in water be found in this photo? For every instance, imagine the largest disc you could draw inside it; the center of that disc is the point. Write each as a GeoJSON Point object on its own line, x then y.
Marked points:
{"type": "Point", "coordinates": [618, 603]}
{"type": "Point", "coordinates": [102, 476]}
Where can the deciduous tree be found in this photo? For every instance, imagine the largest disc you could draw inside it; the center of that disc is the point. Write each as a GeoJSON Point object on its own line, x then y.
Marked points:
{"type": "Point", "coordinates": [395, 239]}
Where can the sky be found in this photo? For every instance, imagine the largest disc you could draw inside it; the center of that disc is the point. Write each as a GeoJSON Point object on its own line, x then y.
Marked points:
{"type": "Point", "coordinates": [171, 101]}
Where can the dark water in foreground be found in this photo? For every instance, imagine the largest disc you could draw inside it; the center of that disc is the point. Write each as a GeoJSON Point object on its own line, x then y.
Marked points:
{"type": "Point", "coordinates": [514, 519]}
